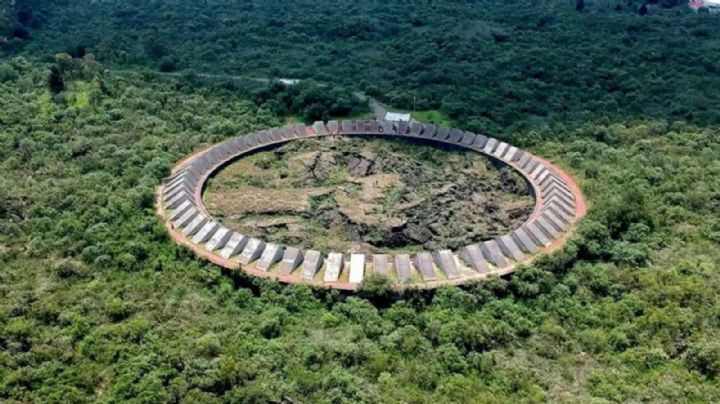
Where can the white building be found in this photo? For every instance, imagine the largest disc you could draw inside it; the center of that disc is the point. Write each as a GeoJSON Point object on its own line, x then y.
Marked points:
{"type": "Point", "coordinates": [396, 116]}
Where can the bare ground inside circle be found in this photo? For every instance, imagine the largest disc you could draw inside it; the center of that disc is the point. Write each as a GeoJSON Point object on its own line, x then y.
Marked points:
{"type": "Point", "coordinates": [369, 195]}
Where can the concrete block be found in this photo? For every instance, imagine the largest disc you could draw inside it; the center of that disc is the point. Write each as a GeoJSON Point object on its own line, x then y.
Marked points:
{"type": "Point", "coordinates": [491, 252]}
{"type": "Point", "coordinates": [234, 245]}
{"type": "Point", "coordinates": [402, 267]}
{"type": "Point", "coordinates": [380, 264]}
{"type": "Point", "coordinates": [509, 248]}
{"type": "Point", "coordinates": [311, 264]}
{"type": "Point", "coordinates": [181, 210]}
{"type": "Point", "coordinates": [490, 146]}
{"type": "Point", "coordinates": [445, 260]}
{"type": "Point", "coordinates": [360, 127]}
{"type": "Point", "coordinates": [219, 239]}
{"type": "Point", "coordinates": [387, 127]}
{"type": "Point", "coordinates": [357, 268]}
{"type": "Point", "coordinates": [333, 127]}
{"type": "Point", "coordinates": [273, 253]}
{"type": "Point", "coordinates": [472, 255]}
{"type": "Point", "coordinates": [347, 127]}
{"type": "Point", "coordinates": [509, 154]}
{"type": "Point", "coordinates": [333, 267]}
{"type": "Point", "coordinates": [252, 251]}
{"type": "Point", "coordinates": [372, 127]}
{"type": "Point", "coordinates": [429, 131]}
{"type": "Point", "coordinates": [500, 149]}
{"type": "Point", "coordinates": [456, 136]}
{"type": "Point", "coordinates": [402, 128]}
{"type": "Point", "coordinates": [195, 225]}
{"type": "Point", "coordinates": [319, 128]}
{"type": "Point", "coordinates": [290, 260]}
{"type": "Point", "coordinates": [468, 139]}
{"type": "Point", "coordinates": [207, 231]}
{"type": "Point", "coordinates": [537, 234]}
{"type": "Point", "coordinates": [424, 265]}
{"type": "Point", "coordinates": [415, 129]}
{"type": "Point", "coordinates": [480, 142]}
{"type": "Point", "coordinates": [524, 241]}
{"type": "Point", "coordinates": [547, 227]}
{"type": "Point", "coordinates": [186, 217]}
{"type": "Point", "coordinates": [300, 130]}
{"type": "Point", "coordinates": [442, 133]}
{"type": "Point", "coordinates": [558, 224]}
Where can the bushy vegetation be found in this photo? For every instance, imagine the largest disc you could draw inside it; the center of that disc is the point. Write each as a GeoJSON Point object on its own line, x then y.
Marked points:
{"type": "Point", "coordinates": [97, 304]}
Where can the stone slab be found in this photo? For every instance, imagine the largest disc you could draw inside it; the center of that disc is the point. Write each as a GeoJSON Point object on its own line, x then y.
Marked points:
{"type": "Point", "coordinates": [360, 127]}
{"type": "Point", "coordinates": [234, 245]}
{"type": "Point", "coordinates": [180, 210]}
{"type": "Point", "coordinates": [547, 227]}
{"type": "Point", "coordinates": [292, 259]}
{"type": "Point", "coordinates": [537, 235]}
{"type": "Point", "coordinates": [402, 128]}
{"type": "Point", "coordinates": [333, 127]}
{"type": "Point", "coordinates": [186, 217]}
{"type": "Point", "coordinates": [524, 241]}
{"type": "Point", "coordinates": [491, 252]}
{"type": "Point", "coordinates": [429, 131]}
{"type": "Point", "coordinates": [442, 133]}
{"type": "Point", "coordinates": [206, 232]}
{"type": "Point", "coordinates": [490, 145]}
{"type": "Point", "coordinates": [472, 255]}
{"type": "Point", "coordinates": [194, 226]}
{"type": "Point", "coordinates": [273, 253]}
{"type": "Point", "coordinates": [311, 264]}
{"type": "Point", "coordinates": [509, 248]}
{"type": "Point", "coordinates": [219, 239]}
{"type": "Point", "coordinates": [387, 127]}
{"type": "Point", "coordinates": [468, 139]}
{"type": "Point", "coordinates": [480, 142]}
{"type": "Point", "coordinates": [333, 267]}
{"type": "Point", "coordinates": [424, 264]}
{"type": "Point", "coordinates": [372, 127]}
{"type": "Point", "coordinates": [402, 267]}
{"type": "Point", "coordinates": [501, 149]}
{"type": "Point", "coordinates": [300, 130]}
{"type": "Point", "coordinates": [446, 262]}
{"type": "Point", "coordinates": [456, 135]}
{"type": "Point", "coordinates": [380, 264]}
{"type": "Point", "coordinates": [415, 129]}
{"type": "Point", "coordinates": [347, 126]}
{"type": "Point", "coordinates": [510, 153]}
{"type": "Point", "coordinates": [319, 128]}
{"type": "Point", "coordinates": [555, 221]}
{"type": "Point", "coordinates": [357, 268]}
{"type": "Point", "coordinates": [252, 251]}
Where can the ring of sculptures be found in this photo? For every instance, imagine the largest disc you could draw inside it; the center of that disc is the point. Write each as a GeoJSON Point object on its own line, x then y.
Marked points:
{"type": "Point", "coordinates": [558, 205]}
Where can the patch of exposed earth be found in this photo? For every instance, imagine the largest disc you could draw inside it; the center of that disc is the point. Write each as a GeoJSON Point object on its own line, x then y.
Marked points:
{"type": "Point", "coordinates": [369, 195]}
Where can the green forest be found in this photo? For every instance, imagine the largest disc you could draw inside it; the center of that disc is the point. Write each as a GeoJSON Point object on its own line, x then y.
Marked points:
{"type": "Point", "coordinates": [98, 100]}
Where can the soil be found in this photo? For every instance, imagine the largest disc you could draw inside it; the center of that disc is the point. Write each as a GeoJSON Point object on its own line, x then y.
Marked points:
{"type": "Point", "coordinates": [369, 195]}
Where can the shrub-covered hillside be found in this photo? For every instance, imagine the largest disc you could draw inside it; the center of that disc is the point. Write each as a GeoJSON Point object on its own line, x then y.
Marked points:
{"type": "Point", "coordinates": [96, 304]}
{"type": "Point", "coordinates": [491, 65]}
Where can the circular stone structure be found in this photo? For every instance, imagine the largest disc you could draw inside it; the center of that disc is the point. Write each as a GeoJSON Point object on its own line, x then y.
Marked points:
{"type": "Point", "coordinates": [558, 205]}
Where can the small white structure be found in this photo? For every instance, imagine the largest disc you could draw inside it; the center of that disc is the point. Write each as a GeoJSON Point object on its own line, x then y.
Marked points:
{"type": "Point", "coordinates": [397, 116]}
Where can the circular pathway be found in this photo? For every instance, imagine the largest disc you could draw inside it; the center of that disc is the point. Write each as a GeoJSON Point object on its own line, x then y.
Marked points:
{"type": "Point", "coordinates": [558, 204]}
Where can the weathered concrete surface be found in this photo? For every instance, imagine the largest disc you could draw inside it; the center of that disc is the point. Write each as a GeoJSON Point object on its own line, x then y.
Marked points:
{"type": "Point", "coordinates": [357, 268]}
{"type": "Point", "coordinates": [333, 267]}
{"type": "Point", "coordinates": [311, 264]}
